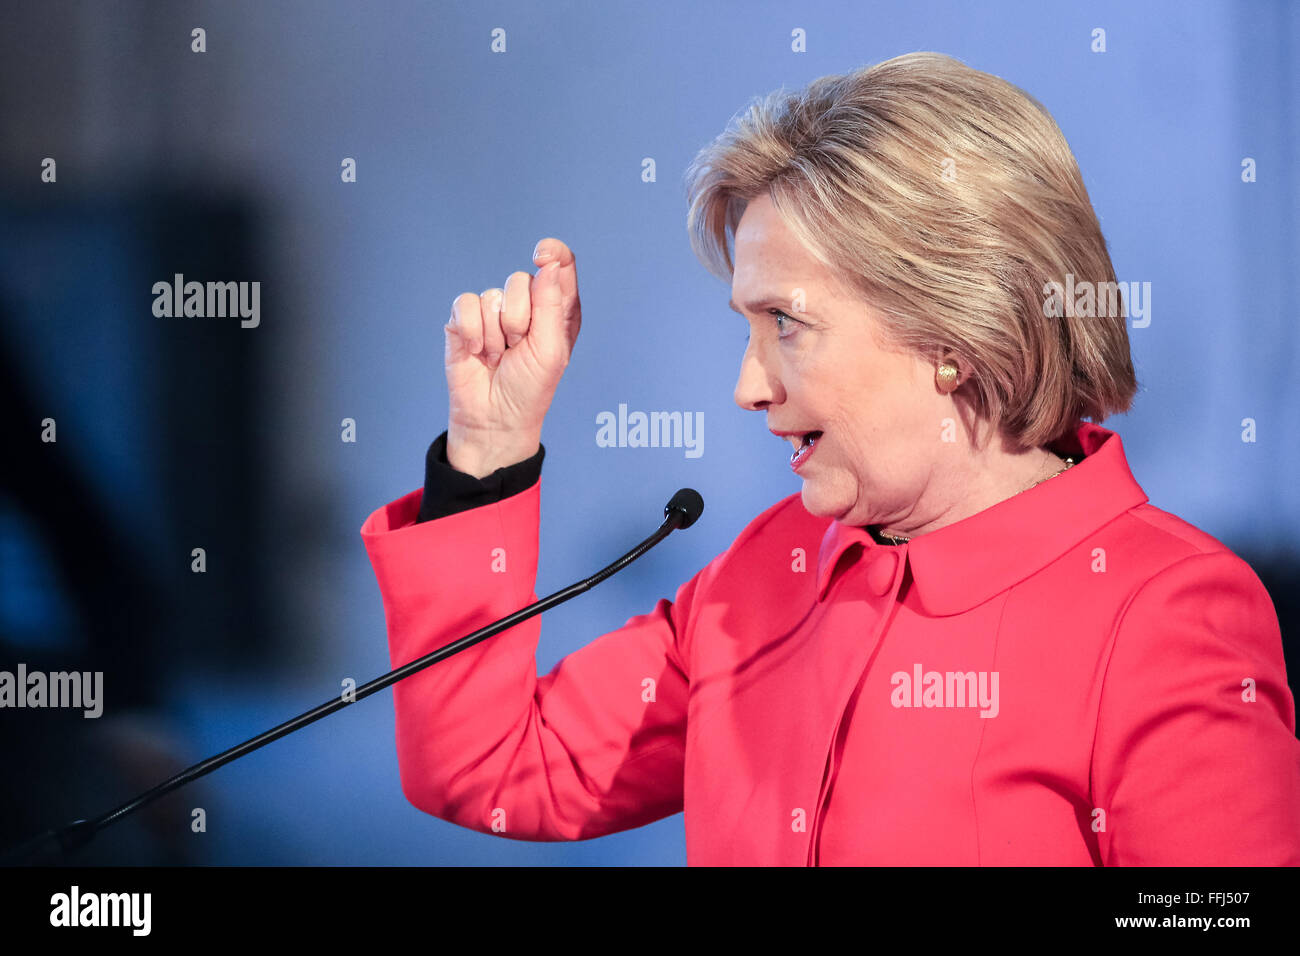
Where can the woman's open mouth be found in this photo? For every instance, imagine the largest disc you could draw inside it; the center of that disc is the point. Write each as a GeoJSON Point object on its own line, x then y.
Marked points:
{"type": "Point", "coordinates": [805, 449]}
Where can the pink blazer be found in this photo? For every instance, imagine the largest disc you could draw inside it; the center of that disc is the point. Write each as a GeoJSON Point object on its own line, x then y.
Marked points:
{"type": "Point", "coordinates": [1070, 677]}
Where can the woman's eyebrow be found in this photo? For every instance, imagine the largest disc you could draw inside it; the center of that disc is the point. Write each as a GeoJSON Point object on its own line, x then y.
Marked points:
{"type": "Point", "coordinates": [756, 304]}
{"type": "Point", "coordinates": [785, 303]}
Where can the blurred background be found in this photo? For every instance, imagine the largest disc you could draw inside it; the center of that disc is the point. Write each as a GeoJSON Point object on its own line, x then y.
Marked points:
{"type": "Point", "coordinates": [181, 433]}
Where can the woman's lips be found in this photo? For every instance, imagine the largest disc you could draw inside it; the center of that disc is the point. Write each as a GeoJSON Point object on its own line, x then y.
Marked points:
{"type": "Point", "coordinates": [802, 453]}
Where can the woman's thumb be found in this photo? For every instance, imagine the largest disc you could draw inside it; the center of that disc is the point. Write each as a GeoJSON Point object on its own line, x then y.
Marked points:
{"type": "Point", "coordinates": [547, 324]}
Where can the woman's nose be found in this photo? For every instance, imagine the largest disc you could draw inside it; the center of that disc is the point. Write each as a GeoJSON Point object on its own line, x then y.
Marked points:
{"type": "Point", "coordinates": [758, 385]}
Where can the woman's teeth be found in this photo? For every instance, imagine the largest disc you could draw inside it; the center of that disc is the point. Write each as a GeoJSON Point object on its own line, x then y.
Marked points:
{"type": "Point", "coordinates": [807, 442]}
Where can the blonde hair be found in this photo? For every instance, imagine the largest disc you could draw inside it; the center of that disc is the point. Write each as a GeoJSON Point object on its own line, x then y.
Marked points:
{"type": "Point", "coordinates": [948, 199]}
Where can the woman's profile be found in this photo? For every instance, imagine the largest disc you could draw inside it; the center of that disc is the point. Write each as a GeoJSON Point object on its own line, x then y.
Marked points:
{"type": "Point", "coordinates": [997, 651]}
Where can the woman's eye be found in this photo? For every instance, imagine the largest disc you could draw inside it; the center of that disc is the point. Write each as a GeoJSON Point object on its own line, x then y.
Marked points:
{"type": "Point", "coordinates": [783, 324]}
{"type": "Point", "coordinates": [779, 315]}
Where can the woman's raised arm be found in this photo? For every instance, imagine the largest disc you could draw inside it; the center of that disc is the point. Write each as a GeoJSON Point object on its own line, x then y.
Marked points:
{"type": "Point", "coordinates": [598, 744]}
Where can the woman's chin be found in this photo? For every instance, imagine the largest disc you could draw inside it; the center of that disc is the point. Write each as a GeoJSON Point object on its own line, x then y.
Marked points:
{"type": "Point", "coordinates": [839, 506]}
{"type": "Point", "coordinates": [817, 502]}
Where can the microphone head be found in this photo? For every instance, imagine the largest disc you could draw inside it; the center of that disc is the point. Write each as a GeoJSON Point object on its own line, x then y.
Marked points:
{"type": "Point", "coordinates": [689, 503]}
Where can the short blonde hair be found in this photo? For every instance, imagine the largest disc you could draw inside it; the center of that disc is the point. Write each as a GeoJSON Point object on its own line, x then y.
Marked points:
{"type": "Point", "coordinates": [947, 198]}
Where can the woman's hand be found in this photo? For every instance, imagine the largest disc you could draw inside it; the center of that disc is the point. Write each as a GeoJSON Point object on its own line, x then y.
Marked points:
{"type": "Point", "coordinates": [506, 351]}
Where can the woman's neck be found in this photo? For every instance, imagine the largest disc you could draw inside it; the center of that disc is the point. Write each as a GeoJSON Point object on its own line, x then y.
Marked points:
{"type": "Point", "coordinates": [989, 477]}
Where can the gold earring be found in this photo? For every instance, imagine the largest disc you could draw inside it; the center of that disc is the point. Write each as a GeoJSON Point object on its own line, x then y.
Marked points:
{"type": "Point", "coordinates": [946, 377]}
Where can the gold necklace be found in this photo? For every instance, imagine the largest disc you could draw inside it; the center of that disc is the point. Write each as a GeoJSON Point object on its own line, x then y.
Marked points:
{"type": "Point", "coordinates": [1069, 463]}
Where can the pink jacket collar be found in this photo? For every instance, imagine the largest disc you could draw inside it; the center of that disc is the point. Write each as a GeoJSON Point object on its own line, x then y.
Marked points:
{"type": "Point", "coordinates": [965, 563]}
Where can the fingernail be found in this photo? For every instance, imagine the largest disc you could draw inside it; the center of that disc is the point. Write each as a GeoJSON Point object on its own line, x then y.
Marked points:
{"type": "Point", "coordinates": [513, 339]}
{"type": "Point", "coordinates": [540, 254]}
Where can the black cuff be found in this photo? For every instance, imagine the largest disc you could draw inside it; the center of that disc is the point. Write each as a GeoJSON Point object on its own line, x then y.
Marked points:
{"type": "Point", "coordinates": [448, 491]}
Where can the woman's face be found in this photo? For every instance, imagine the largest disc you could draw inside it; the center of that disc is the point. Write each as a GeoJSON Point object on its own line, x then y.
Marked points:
{"type": "Point", "coordinates": [880, 456]}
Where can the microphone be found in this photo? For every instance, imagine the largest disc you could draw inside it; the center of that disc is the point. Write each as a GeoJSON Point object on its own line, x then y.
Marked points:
{"type": "Point", "coordinates": [682, 511]}
{"type": "Point", "coordinates": [688, 502]}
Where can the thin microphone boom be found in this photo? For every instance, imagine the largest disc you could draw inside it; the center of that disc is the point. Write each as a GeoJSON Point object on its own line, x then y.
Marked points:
{"type": "Point", "coordinates": [681, 511]}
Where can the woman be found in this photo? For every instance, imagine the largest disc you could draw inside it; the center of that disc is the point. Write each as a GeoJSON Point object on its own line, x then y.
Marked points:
{"type": "Point", "coordinates": [968, 640]}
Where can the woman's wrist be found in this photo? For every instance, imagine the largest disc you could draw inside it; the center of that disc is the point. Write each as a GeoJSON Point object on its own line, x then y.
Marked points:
{"type": "Point", "coordinates": [480, 455]}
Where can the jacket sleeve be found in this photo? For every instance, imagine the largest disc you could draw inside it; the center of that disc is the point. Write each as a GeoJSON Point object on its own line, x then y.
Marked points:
{"type": "Point", "coordinates": [1195, 760]}
{"type": "Point", "coordinates": [594, 747]}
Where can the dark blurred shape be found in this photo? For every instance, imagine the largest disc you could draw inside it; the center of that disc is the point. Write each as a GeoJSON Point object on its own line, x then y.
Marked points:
{"type": "Point", "coordinates": [159, 451]}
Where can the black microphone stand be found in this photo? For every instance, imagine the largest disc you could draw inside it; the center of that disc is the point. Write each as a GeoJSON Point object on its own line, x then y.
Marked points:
{"type": "Point", "coordinates": [680, 512]}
